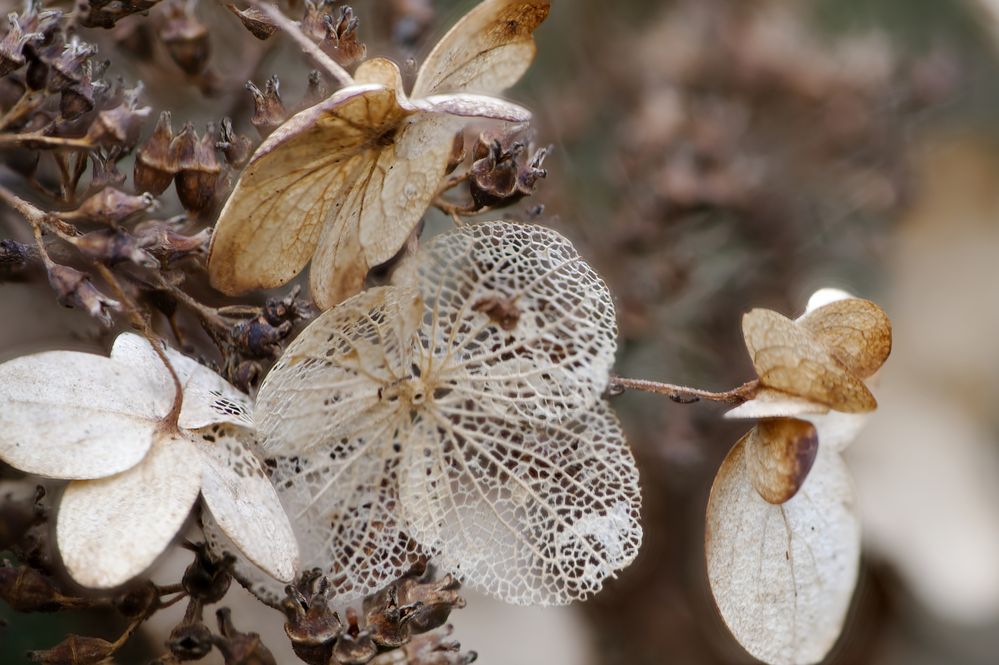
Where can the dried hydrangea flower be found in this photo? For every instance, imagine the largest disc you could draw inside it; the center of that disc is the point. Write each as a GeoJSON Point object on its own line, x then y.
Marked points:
{"type": "Point", "coordinates": [100, 422]}
{"type": "Point", "coordinates": [459, 413]}
{"type": "Point", "coordinates": [782, 538]}
{"type": "Point", "coordinates": [344, 182]}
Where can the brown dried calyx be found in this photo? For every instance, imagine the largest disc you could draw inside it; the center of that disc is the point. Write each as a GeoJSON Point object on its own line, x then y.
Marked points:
{"type": "Point", "coordinates": [191, 639]}
{"type": "Point", "coordinates": [162, 239]}
{"type": "Point", "coordinates": [28, 590]}
{"type": "Point", "coordinates": [75, 650]}
{"type": "Point", "coordinates": [156, 162]}
{"type": "Point", "coordinates": [240, 648]}
{"type": "Point", "coordinates": [119, 126]}
{"type": "Point", "coordinates": [504, 171]}
{"type": "Point", "coordinates": [257, 22]}
{"type": "Point", "coordinates": [235, 147]}
{"type": "Point", "coordinates": [268, 109]}
{"type": "Point", "coordinates": [207, 578]}
{"type": "Point", "coordinates": [198, 168]}
{"type": "Point", "coordinates": [105, 13]}
{"type": "Point", "coordinates": [186, 38]}
{"type": "Point", "coordinates": [110, 206]}
{"type": "Point", "coordinates": [113, 246]}
{"type": "Point", "coordinates": [13, 43]}
{"type": "Point", "coordinates": [75, 289]}
{"type": "Point", "coordinates": [341, 40]}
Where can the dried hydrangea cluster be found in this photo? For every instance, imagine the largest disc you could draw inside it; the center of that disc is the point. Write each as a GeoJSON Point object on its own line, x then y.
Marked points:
{"type": "Point", "coordinates": [783, 541]}
{"type": "Point", "coordinates": [459, 414]}
{"type": "Point", "coordinates": [137, 462]}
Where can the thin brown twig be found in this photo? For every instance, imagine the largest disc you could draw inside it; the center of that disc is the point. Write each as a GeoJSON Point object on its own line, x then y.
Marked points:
{"type": "Point", "coordinates": [42, 139]}
{"type": "Point", "coordinates": [686, 395]}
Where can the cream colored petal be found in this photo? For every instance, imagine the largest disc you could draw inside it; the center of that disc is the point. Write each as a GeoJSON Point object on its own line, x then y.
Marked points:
{"type": "Point", "coordinates": [243, 501]}
{"type": "Point", "coordinates": [295, 182]}
{"type": "Point", "coordinates": [477, 106]}
{"type": "Point", "coordinates": [261, 584]}
{"type": "Point", "coordinates": [519, 323]}
{"type": "Point", "coordinates": [775, 404]}
{"type": "Point", "coordinates": [76, 415]}
{"type": "Point", "coordinates": [487, 51]}
{"type": "Point", "coordinates": [533, 516]}
{"type": "Point", "coordinates": [331, 380]}
{"type": "Point", "coordinates": [112, 529]}
{"type": "Point", "coordinates": [783, 575]}
{"type": "Point", "coordinates": [208, 398]}
{"type": "Point", "coordinates": [823, 297]}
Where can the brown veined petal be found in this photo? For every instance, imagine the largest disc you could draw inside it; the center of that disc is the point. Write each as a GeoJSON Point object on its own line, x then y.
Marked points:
{"type": "Point", "coordinates": [343, 502]}
{"type": "Point", "coordinates": [243, 501]}
{"type": "Point", "coordinates": [518, 322]}
{"type": "Point", "coordinates": [855, 331]}
{"type": "Point", "coordinates": [208, 398]}
{"type": "Point", "coordinates": [383, 72]}
{"type": "Point", "coordinates": [783, 575]}
{"type": "Point", "coordinates": [331, 380]}
{"type": "Point", "coordinates": [779, 454]}
{"type": "Point", "coordinates": [112, 529]}
{"type": "Point", "coordinates": [530, 515]}
{"type": "Point", "coordinates": [72, 415]}
{"type": "Point", "coordinates": [487, 51]}
{"type": "Point", "coordinates": [296, 181]}
{"type": "Point", "coordinates": [788, 359]}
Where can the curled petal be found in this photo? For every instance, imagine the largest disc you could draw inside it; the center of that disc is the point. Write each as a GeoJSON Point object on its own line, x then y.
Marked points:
{"type": "Point", "coordinates": [112, 529]}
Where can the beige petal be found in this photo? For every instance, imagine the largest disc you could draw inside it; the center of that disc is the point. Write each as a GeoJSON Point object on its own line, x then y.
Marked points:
{"type": "Point", "coordinates": [856, 332]}
{"type": "Point", "coordinates": [76, 415]}
{"type": "Point", "coordinates": [330, 381]}
{"type": "Point", "coordinates": [295, 182]}
{"type": "Point", "coordinates": [769, 403]}
{"type": "Point", "coordinates": [112, 529]}
{"type": "Point", "coordinates": [263, 585]}
{"type": "Point", "coordinates": [476, 106]}
{"type": "Point", "coordinates": [779, 454]}
{"type": "Point", "coordinates": [788, 359]}
{"type": "Point", "coordinates": [783, 575]}
{"type": "Point", "coordinates": [487, 51]}
{"type": "Point", "coordinates": [208, 398]}
{"type": "Point", "coordinates": [531, 515]}
{"type": "Point", "coordinates": [243, 501]}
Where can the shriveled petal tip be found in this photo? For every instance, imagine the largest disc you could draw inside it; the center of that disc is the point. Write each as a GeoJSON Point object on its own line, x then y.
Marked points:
{"type": "Point", "coordinates": [243, 501]}
{"type": "Point", "coordinates": [783, 575]}
{"type": "Point", "coordinates": [75, 415]}
{"type": "Point", "coordinates": [112, 529]}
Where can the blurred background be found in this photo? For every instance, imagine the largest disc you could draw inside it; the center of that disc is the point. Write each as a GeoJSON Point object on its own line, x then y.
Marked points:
{"type": "Point", "coordinates": [711, 156]}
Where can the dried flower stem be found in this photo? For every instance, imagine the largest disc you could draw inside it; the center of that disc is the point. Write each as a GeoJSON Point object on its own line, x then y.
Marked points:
{"type": "Point", "coordinates": [685, 395]}
{"type": "Point", "coordinates": [42, 139]}
{"type": "Point", "coordinates": [293, 31]}
{"type": "Point", "coordinates": [35, 216]}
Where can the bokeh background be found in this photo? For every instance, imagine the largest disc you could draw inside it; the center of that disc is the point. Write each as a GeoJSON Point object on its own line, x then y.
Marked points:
{"type": "Point", "coordinates": [711, 156]}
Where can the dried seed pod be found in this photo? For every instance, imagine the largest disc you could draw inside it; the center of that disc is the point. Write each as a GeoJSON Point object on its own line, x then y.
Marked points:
{"type": "Point", "coordinates": [501, 174]}
{"type": "Point", "coordinates": [161, 239]}
{"type": "Point", "coordinates": [355, 646]}
{"type": "Point", "coordinates": [156, 163]}
{"type": "Point", "coordinates": [75, 650]}
{"type": "Point", "coordinates": [312, 625]}
{"type": "Point", "coordinates": [207, 578]}
{"type": "Point", "coordinates": [114, 246]}
{"type": "Point", "coordinates": [104, 171]}
{"type": "Point", "coordinates": [436, 601]}
{"type": "Point", "coordinates": [110, 206]}
{"type": "Point", "coordinates": [190, 639]}
{"type": "Point", "coordinates": [105, 13]}
{"type": "Point", "coordinates": [269, 111]}
{"type": "Point", "coordinates": [240, 648]}
{"type": "Point", "coordinates": [236, 147]}
{"type": "Point", "coordinates": [74, 289]}
{"type": "Point", "coordinates": [186, 40]}
{"type": "Point", "coordinates": [315, 91]}
{"type": "Point", "coordinates": [257, 22]}
{"type": "Point", "coordinates": [257, 338]}
{"type": "Point", "coordinates": [388, 622]}
{"type": "Point", "coordinates": [13, 43]}
{"type": "Point", "coordinates": [67, 67]}
{"type": "Point", "coordinates": [313, 22]}
{"type": "Point", "coordinates": [27, 590]}
{"type": "Point", "coordinates": [119, 127]}
{"type": "Point", "coordinates": [198, 168]}
{"type": "Point", "coordinates": [78, 98]}
{"type": "Point", "coordinates": [137, 600]}
{"type": "Point", "coordinates": [340, 41]}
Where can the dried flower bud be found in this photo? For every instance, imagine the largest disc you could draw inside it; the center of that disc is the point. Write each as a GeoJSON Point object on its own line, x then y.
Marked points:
{"type": "Point", "coordinates": [75, 650]}
{"type": "Point", "coordinates": [11, 46]}
{"type": "Point", "coordinates": [387, 621]}
{"type": "Point", "coordinates": [27, 590]}
{"type": "Point", "coordinates": [114, 246]}
{"type": "Point", "coordinates": [269, 112]}
{"type": "Point", "coordinates": [105, 13]}
{"type": "Point", "coordinates": [312, 625]}
{"type": "Point", "coordinates": [257, 22]}
{"type": "Point", "coordinates": [257, 338]}
{"type": "Point", "coordinates": [156, 163]}
{"type": "Point", "coordinates": [14, 256]}
{"type": "Point", "coordinates": [240, 648]}
{"type": "Point", "coordinates": [198, 168]}
{"type": "Point", "coordinates": [355, 646]}
{"type": "Point", "coordinates": [340, 41]}
{"type": "Point", "coordinates": [78, 98]}
{"type": "Point", "coordinates": [119, 127]}
{"type": "Point", "coordinates": [436, 649]}
{"type": "Point", "coordinates": [105, 171]}
{"type": "Point", "coordinates": [313, 23]}
{"type": "Point", "coordinates": [207, 579]}
{"type": "Point", "coordinates": [236, 147]}
{"type": "Point", "coordinates": [74, 289]}
{"type": "Point", "coordinates": [186, 39]}
{"type": "Point", "coordinates": [137, 599]}
{"type": "Point", "coordinates": [501, 176]}
{"type": "Point", "coordinates": [315, 92]}
{"type": "Point", "coordinates": [110, 206]}
{"type": "Point", "coordinates": [161, 239]}
{"type": "Point", "coordinates": [190, 639]}
{"type": "Point", "coordinates": [67, 68]}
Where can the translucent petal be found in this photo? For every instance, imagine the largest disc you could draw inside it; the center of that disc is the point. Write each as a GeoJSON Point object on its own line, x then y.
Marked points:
{"type": "Point", "coordinates": [112, 529]}
{"type": "Point", "coordinates": [783, 575]}
{"type": "Point", "coordinates": [343, 501]}
{"type": "Point", "coordinates": [529, 515]}
{"type": "Point", "coordinates": [261, 584]}
{"type": "Point", "coordinates": [330, 381]}
{"type": "Point", "coordinates": [208, 398]}
{"type": "Point", "coordinates": [517, 320]}
{"type": "Point", "coordinates": [243, 501]}
{"type": "Point", "coordinates": [487, 51]}
{"type": "Point", "coordinates": [855, 331]}
{"type": "Point", "coordinates": [76, 415]}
